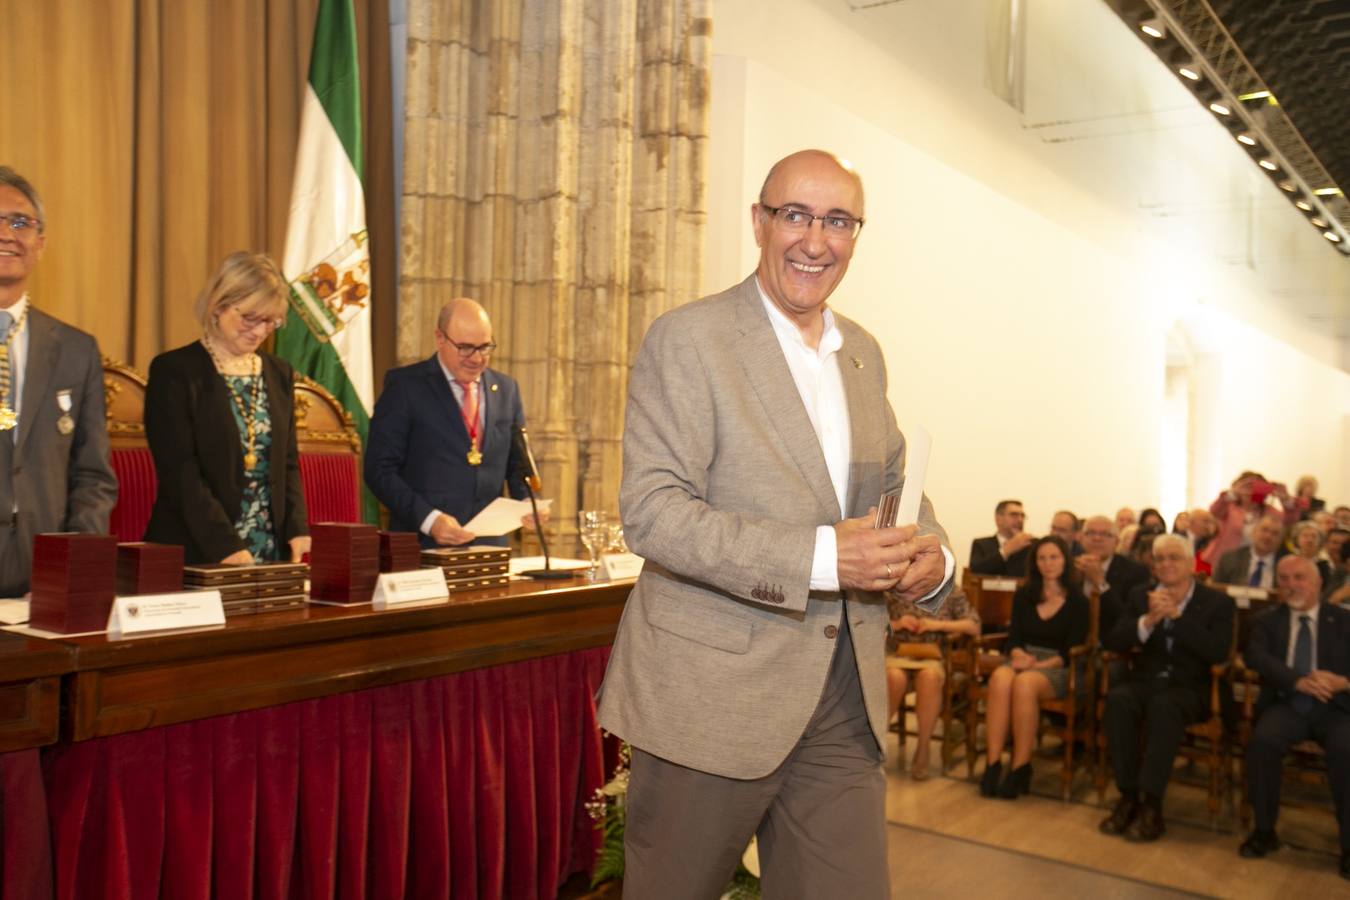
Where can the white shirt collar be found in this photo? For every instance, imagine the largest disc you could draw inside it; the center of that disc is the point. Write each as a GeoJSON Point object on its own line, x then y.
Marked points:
{"type": "Point", "coordinates": [16, 309]}
{"type": "Point", "coordinates": [831, 338]}
{"type": "Point", "coordinates": [451, 378]}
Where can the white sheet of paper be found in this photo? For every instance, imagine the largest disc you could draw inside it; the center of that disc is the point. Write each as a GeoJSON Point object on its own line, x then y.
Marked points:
{"type": "Point", "coordinates": [530, 563]}
{"type": "Point", "coordinates": [13, 612]}
{"type": "Point", "coordinates": [918, 447]}
{"type": "Point", "coordinates": [502, 516]}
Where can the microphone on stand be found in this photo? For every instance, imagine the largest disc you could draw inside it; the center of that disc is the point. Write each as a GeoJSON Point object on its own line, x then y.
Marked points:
{"type": "Point", "coordinates": [529, 473]}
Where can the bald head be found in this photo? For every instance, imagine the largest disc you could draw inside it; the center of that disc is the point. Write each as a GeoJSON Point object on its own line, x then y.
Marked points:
{"type": "Point", "coordinates": [1099, 536]}
{"type": "Point", "coordinates": [812, 159]}
{"type": "Point", "coordinates": [461, 310]}
{"type": "Point", "coordinates": [464, 339]}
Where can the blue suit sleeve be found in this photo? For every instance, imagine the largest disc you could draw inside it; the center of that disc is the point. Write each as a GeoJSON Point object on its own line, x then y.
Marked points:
{"type": "Point", "coordinates": [386, 449]}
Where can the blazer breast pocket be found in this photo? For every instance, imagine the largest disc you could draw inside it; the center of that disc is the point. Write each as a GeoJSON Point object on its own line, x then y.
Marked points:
{"type": "Point", "coordinates": [701, 626]}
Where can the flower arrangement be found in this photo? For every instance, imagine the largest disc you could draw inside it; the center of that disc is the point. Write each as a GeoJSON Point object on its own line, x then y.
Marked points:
{"type": "Point", "coordinates": [606, 809]}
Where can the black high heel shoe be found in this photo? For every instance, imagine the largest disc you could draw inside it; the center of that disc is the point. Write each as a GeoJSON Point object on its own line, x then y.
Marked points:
{"type": "Point", "coordinates": [1017, 783]}
{"type": "Point", "coordinates": [989, 780]}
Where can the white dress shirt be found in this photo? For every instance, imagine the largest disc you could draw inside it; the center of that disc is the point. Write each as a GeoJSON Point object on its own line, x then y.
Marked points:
{"type": "Point", "coordinates": [1144, 632]}
{"type": "Point", "coordinates": [816, 375]}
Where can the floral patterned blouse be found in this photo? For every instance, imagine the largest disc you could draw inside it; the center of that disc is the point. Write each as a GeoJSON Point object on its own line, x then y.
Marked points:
{"type": "Point", "coordinates": [254, 524]}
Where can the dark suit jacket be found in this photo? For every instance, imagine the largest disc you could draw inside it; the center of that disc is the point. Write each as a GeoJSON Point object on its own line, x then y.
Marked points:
{"type": "Point", "coordinates": [986, 560]}
{"type": "Point", "coordinates": [60, 482]}
{"type": "Point", "coordinates": [1233, 565]}
{"type": "Point", "coordinates": [417, 454]}
{"type": "Point", "coordinates": [1122, 577]}
{"type": "Point", "coordinates": [1269, 644]}
{"type": "Point", "coordinates": [1201, 638]}
{"type": "Point", "coordinates": [199, 460]}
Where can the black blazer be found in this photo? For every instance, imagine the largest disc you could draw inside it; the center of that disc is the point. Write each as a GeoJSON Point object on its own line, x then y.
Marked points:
{"type": "Point", "coordinates": [1201, 638]}
{"type": "Point", "coordinates": [199, 461]}
{"type": "Point", "coordinates": [1122, 577]}
{"type": "Point", "coordinates": [1269, 644]}
{"type": "Point", "coordinates": [986, 560]}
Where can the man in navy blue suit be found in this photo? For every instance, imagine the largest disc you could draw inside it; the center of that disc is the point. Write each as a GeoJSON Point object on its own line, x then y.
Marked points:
{"type": "Point", "coordinates": [441, 440]}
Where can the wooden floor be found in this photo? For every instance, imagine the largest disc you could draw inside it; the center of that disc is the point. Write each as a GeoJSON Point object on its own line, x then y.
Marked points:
{"type": "Point", "coordinates": [947, 841]}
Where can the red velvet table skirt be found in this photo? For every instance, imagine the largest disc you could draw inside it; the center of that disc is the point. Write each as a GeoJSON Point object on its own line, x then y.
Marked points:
{"type": "Point", "coordinates": [471, 785]}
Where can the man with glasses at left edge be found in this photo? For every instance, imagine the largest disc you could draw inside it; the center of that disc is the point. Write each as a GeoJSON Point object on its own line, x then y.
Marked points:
{"type": "Point", "coordinates": [54, 472]}
{"type": "Point", "coordinates": [442, 437]}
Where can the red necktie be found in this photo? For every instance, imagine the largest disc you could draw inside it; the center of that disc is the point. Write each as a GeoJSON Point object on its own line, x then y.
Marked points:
{"type": "Point", "coordinates": [469, 410]}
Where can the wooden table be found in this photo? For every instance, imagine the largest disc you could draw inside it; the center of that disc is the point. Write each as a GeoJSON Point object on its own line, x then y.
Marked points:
{"type": "Point", "coordinates": [30, 690]}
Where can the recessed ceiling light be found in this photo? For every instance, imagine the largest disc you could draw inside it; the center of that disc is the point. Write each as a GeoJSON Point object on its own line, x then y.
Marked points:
{"type": "Point", "coordinates": [1247, 139]}
{"type": "Point", "coordinates": [1220, 109]}
{"type": "Point", "coordinates": [1332, 236]}
{"type": "Point", "coordinates": [1153, 28]}
{"type": "Point", "coordinates": [1286, 186]}
{"type": "Point", "coordinates": [1188, 72]}
{"type": "Point", "coordinates": [1327, 192]}
{"type": "Point", "coordinates": [1320, 223]}
{"type": "Point", "coordinates": [1267, 165]}
{"type": "Point", "coordinates": [1303, 205]}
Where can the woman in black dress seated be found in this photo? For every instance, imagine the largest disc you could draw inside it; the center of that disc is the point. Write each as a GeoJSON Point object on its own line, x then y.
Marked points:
{"type": "Point", "coordinates": [218, 418]}
{"type": "Point", "coordinates": [1049, 616]}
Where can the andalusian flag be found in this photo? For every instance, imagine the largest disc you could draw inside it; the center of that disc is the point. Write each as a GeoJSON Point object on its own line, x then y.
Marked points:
{"type": "Point", "coordinates": [327, 331]}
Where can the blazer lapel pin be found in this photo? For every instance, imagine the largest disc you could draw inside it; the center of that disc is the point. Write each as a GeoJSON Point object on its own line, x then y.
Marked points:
{"type": "Point", "coordinates": [65, 424]}
{"type": "Point", "coordinates": [857, 363]}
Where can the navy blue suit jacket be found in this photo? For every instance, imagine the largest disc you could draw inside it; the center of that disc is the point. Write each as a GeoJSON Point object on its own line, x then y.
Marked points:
{"type": "Point", "coordinates": [417, 451]}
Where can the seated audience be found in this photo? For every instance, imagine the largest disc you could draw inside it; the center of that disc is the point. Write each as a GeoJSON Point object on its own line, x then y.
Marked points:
{"type": "Point", "coordinates": [1301, 649]}
{"type": "Point", "coordinates": [1338, 591]}
{"type": "Point", "coordinates": [1305, 500]}
{"type": "Point", "coordinates": [1306, 540]}
{"type": "Point", "coordinates": [1107, 574]}
{"type": "Point", "coordinates": [914, 626]}
{"type": "Point", "coordinates": [1049, 616]}
{"type": "Point", "coordinates": [1342, 514]}
{"type": "Point", "coordinates": [1181, 523]}
{"type": "Point", "coordinates": [1254, 563]}
{"type": "Point", "coordinates": [1152, 522]}
{"type": "Point", "coordinates": [1124, 517]}
{"type": "Point", "coordinates": [1177, 630]}
{"type": "Point", "coordinates": [218, 418]}
{"type": "Point", "coordinates": [1324, 521]}
{"type": "Point", "coordinates": [1005, 552]}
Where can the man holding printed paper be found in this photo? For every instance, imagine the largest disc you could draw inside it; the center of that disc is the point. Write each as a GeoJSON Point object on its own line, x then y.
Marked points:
{"type": "Point", "coordinates": [442, 439]}
{"type": "Point", "coordinates": [748, 673]}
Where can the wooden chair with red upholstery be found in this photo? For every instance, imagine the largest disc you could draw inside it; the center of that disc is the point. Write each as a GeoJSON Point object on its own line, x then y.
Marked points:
{"type": "Point", "coordinates": [330, 454]}
{"type": "Point", "coordinates": [129, 454]}
{"type": "Point", "coordinates": [991, 596]}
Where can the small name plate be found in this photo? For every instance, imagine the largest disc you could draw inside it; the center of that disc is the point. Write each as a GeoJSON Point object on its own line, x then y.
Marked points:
{"type": "Point", "coordinates": [417, 587]}
{"type": "Point", "coordinates": [163, 612]}
{"type": "Point", "coordinates": [1245, 595]}
{"type": "Point", "coordinates": [999, 584]}
{"type": "Point", "coordinates": [621, 565]}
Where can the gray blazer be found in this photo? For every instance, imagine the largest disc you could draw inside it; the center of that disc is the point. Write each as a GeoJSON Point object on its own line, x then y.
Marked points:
{"type": "Point", "coordinates": [722, 653]}
{"type": "Point", "coordinates": [62, 482]}
{"type": "Point", "coordinates": [1234, 565]}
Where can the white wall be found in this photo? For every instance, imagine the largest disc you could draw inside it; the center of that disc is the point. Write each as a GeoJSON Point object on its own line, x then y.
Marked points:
{"type": "Point", "coordinates": [1023, 288]}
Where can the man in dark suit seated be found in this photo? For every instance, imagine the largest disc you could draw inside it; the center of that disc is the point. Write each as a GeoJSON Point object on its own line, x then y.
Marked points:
{"type": "Point", "coordinates": [54, 471]}
{"type": "Point", "coordinates": [441, 439]}
{"type": "Point", "coordinates": [1254, 564]}
{"type": "Point", "coordinates": [1301, 649]}
{"type": "Point", "coordinates": [1005, 552]}
{"type": "Point", "coordinates": [1106, 573]}
{"type": "Point", "coordinates": [1180, 629]}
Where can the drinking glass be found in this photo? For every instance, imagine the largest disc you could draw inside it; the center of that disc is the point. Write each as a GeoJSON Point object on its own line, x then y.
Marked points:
{"type": "Point", "coordinates": [593, 529]}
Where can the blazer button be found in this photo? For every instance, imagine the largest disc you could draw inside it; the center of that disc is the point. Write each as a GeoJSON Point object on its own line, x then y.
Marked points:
{"type": "Point", "coordinates": [831, 632]}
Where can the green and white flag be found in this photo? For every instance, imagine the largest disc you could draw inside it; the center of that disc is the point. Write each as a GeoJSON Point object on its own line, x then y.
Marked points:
{"type": "Point", "coordinates": [327, 259]}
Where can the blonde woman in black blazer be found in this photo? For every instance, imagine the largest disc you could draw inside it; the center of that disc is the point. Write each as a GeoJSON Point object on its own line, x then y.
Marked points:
{"type": "Point", "coordinates": [218, 417]}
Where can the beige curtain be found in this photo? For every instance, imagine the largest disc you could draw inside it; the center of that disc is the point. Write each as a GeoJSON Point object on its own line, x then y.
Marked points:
{"type": "Point", "coordinates": [554, 170]}
{"type": "Point", "coordinates": [161, 135]}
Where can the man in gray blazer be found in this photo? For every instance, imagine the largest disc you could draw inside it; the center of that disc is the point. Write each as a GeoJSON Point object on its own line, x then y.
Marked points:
{"type": "Point", "coordinates": [748, 673]}
{"type": "Point", "coordinates": [1253, 564]}
{"type": "Point", "coordinates": [54, 472]}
